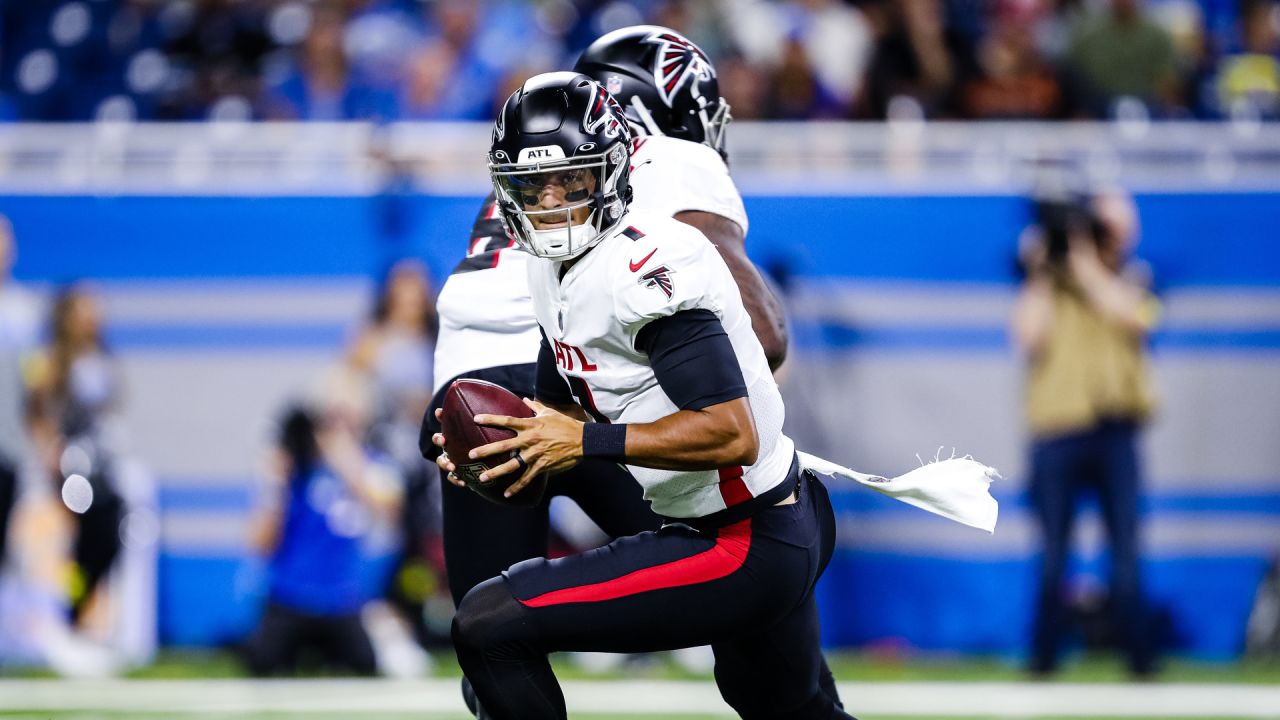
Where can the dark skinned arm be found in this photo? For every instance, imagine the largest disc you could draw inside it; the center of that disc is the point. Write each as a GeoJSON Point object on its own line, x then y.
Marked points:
{"type": "Point", "coordinates": [716, 436]}
{"type": "Point", "coordinates": [763, 306]}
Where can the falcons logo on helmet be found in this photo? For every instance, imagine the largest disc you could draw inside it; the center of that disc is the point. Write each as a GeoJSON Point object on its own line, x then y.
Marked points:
{"type": "Point", "coordinates": [603, 114]}
{"type": "Point", "coordinates": [660, 278]}
{"type": "Point", "coordinates": [676, 61]}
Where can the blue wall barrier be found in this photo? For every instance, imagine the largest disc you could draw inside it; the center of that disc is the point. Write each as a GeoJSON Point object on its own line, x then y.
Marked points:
{"type": "Point", "coordinates": [1190, 239]}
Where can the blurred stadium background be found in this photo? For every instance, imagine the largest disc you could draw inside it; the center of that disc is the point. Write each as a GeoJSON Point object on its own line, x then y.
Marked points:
{"type": "Point", "coordinates": [235, 177]}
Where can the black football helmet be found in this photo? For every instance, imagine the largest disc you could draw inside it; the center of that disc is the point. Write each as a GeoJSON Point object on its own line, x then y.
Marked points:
{"type": "Point", "coordinates": [664, 82]}
{"type": "Point", "coordinates": [561, 129]}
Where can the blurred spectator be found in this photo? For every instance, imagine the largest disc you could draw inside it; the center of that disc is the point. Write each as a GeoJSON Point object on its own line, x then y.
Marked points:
{"type": "Point", "coordinates": [479, 53]}
{"type": "Point", "coordinates": [216, 50]}
{"type": "Point", "coordinates": [1057, 19]}
{"type": "Point", "coordinates": [743, 87]}
{"type": "Point", "coordinates": [319, 86]}
{"type": "Point", "coordinates": [1248, 82]}
{"type": "Point", "coordinates": [1122, 53]}
{"type": "Point", "coordinates": [913, 60]}
{"type": "Point", "coordinates": [395, 350]}
{"type": "Point", "coordinates": [428, 76]}
{"type": "Point", "coordinates": [838, 41]}
{"type": "Point", "coordinates": [74, 392]}
{"type": "Point", "coordinates": [1013, 80]}
{"type": "Point", "coordinates": [379, 38]}
{"type": "Point", "coordinates": [19, 337]}
{"type": "Point", "coordinates": [1081, 318]}
{"type": "Point", "coordinates": [323, 492]}
{"type": "Point", "coordinates": [796, 93]}
{"type": "Point", "coordinates": [1262, 634]}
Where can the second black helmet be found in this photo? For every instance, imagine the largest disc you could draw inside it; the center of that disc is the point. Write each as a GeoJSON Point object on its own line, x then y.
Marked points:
{"type": "Point", "coordinates": [664, 82]}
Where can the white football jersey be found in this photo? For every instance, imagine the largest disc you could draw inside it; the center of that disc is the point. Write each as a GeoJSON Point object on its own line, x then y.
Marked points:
{"type": "Point", "coordinates": [656, 266]}
{"type": "Point", "coordinates": [486, 318]}
{"type": "Point", "coordinates": [671, 175]}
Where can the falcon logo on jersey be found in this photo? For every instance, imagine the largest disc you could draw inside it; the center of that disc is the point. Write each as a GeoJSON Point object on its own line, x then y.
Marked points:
{"type": "Point", "coordinates": [675, 62]}
{"type": "Point", "coordinates": [659, 277]}
{"type": "Point", "coordinates": [602, 116]}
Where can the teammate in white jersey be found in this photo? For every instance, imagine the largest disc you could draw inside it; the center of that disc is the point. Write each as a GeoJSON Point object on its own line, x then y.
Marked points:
{"type": "Point", "coordinates": [669, 92]}
{"type": "Point", "coordinates": [649, 360]}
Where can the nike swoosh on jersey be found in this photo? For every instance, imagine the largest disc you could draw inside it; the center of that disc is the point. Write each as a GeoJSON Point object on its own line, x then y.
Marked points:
{"type": "Point", "coordinates": [635, 266]}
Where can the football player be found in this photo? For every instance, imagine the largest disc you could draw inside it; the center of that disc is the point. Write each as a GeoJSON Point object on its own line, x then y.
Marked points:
{"type": "Point", "coordinates": [668, 90]}
{"type": "Point", "coordinates": [487, 329]}
{"type": "Point", "coordinates": [647, 358]}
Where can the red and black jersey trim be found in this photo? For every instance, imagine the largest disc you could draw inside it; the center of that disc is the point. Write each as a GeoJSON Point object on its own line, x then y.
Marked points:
{"type": "Point", "coordinates": [488, 239]}
{"type": "Point", "coordinates": [633, 233]}
{"type": "Point", "coordinates": [487, 223]}
{"type": "Point", "coordinates": [487, 257]}
{"type": "Point", "coordinates": [740, 504]}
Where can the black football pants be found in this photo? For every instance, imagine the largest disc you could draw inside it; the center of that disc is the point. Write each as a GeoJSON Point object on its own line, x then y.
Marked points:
{"type": "Point", "coordinates": [745, 588]}
{"type": "Point", "coordinates": [482, 538]}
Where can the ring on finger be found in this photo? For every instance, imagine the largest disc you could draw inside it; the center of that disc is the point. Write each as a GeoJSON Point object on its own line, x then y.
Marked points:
{"type": "Point", "coordinates": [521, 462]}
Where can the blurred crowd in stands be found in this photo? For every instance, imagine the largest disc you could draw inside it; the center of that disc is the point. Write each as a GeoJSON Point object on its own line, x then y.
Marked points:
{"type": "Point", "coordinates": [388, 60]}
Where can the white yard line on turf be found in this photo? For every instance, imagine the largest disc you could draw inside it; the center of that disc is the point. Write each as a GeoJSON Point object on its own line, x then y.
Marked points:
{"type": "Point", "coordinates": [369, 698]}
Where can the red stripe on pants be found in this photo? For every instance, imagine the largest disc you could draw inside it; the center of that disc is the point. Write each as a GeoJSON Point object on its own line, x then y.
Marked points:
{"type": "Point", "coordinates": [729, 553]}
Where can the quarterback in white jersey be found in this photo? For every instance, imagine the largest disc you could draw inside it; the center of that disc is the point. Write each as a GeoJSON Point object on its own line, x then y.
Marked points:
{"type": "Point", "coordinates": [648, 359]}
{"type": "Point", "coordinates": [594, 314]}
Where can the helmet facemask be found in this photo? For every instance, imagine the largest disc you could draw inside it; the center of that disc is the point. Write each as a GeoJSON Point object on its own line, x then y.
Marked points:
{"type": "Point", "coordinates": [587, 183]}
{"type": "Point", "coordinates": [713, 126]}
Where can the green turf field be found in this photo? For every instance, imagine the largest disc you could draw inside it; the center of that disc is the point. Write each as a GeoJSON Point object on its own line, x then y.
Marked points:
{"type": "Point", "coordinates": [212, 686]}
{"type": "Point", "coordinates": [847, 666]}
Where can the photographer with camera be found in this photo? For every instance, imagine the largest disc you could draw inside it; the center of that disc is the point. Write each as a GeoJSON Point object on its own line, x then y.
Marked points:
{"type": "Point", "coordinates": [1081, 319]}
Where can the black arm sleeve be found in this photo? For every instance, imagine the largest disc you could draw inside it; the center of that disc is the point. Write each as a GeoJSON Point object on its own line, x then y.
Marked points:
{"type": "Point", "coordinates": [692, 358]}
{"type": "Point", "coordinates": [550, 387]}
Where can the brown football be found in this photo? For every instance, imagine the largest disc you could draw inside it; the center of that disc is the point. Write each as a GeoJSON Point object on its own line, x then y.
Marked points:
{"type": "Point", "coordinates": [464, 400]}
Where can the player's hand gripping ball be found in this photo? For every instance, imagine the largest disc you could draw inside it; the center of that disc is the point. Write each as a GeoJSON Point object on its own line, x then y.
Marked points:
{"type": "Point", "coordinates": [464, 400]}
